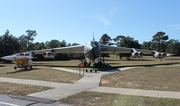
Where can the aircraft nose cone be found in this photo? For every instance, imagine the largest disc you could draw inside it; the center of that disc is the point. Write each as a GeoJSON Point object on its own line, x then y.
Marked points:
{"type": "Point", "coordinates": [7, 58]}
{"type": "Point", "coordinates": [3, 57]}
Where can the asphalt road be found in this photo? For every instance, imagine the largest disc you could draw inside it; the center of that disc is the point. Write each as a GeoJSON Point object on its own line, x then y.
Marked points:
{"type": "Point", "coordinates": [27, 101]}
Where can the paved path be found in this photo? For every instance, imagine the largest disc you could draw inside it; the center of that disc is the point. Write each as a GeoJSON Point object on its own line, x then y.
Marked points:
{"type": "Point", "coordinates": [138, 92]}
{"type": "Point", "coordinates": [89, 81]}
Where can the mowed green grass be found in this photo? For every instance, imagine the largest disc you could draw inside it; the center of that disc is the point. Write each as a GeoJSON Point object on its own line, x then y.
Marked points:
{"type": "Point", "coordinates": [150, 78]}
{"type": "Point", "coordinates": [41, 73]}
{"type": "Point", "coordinates": [106, 99]}
{"type": "Point", "coordinates": [19, 89]}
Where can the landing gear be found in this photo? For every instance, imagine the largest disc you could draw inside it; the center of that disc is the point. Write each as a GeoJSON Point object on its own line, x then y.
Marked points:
{"type": "Point", "coordinates": [97, 65]}
{"type": "Point", "coordinates": [31, 67]}
{"type": "Point", "coordinates": [86, 64]}
{"type": "Point", "coordinates": [91, 70]}
{"type": "Point", "coordinates": [23, 66]}
{"type": "Point", "coordinates": [15, 67]}
{"type": "Point", "coordinates": [89, 64]}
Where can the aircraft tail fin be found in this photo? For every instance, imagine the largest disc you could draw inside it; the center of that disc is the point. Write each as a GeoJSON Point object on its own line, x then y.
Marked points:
{"type": "Point", "coordinates": [134, 50]}
{"type": "Point", "coordinates": [30, 53]}
{"type": "Point", "coordinates": [93, 37]}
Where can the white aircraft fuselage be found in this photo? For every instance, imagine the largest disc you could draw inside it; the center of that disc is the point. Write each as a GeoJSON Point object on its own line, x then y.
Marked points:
{"type": "Point", "coordinates": [14, 57]}
{"type": "Point", "coordinates": [92, 51]}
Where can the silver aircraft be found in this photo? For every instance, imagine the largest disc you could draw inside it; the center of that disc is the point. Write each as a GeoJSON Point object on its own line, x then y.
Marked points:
{"type": "Point", "coordinates": [92, 51]}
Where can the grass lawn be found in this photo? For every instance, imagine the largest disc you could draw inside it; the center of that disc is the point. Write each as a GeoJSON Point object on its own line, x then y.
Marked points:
{"type": "Point", "coordinates": [41, 73]}
{"type": "Point", "coordinates": [150, 78]}
{"type": "Point", "coordinates": [106, 99]}
{"type": "Point", "coordinates": [19, 89]}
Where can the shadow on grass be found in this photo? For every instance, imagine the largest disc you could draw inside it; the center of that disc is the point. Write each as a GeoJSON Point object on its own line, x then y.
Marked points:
{"type": "Point", "coordinates": [21, 70]}
{"type": "Point", "coordinates": [130, 60]}
{"type": "Point", "coordinates": [147, 65]}
{"type": "Point", "coordinates": [2, 66]}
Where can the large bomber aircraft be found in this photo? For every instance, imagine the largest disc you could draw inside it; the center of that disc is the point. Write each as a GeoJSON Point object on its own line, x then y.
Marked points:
{"type": "Point", "coordinates": [92, 52]}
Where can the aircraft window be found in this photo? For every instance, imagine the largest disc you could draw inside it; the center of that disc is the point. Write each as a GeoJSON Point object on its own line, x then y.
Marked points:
{"type": "Point", "coordinates": [94, 43]}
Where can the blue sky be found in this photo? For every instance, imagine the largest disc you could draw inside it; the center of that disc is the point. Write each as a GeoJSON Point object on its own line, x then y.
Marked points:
{"type": "Point", "coordinates": [76, 20]}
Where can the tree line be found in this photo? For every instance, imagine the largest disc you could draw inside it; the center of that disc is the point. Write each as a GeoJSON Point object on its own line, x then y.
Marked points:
{"type": "Point", "coordinates": [10, 44]}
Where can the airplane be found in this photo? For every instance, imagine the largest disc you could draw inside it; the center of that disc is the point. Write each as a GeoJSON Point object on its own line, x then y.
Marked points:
{"type": "Point", "coordinates": [21, 60]}
{"type": "Point", "coordinates": [92, 51]}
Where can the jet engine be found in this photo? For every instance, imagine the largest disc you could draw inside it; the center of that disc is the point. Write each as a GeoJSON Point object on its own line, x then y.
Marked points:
{"type": "Point", "coordinates": [48, 55]}
{"type": "Point", "coordinates": [159, 55]}
{"type": "Point", "coordinates": [137, 54]}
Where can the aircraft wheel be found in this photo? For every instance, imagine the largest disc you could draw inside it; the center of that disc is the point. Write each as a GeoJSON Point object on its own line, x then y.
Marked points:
{"type": "Point", "coordinates": [86, 70]}
{"type": "Point", "coordinates": [89, 64]}
{"type": "Point", "coordinates": [91, 70]}
{"type": "Point", "coordinates": [25, 67]}
{"type": "Point", "coordinates": [15, 67]}
{"type": "Point", "coordinates": [31, 67]}
{"type": "Point", "coordinates": [95, 71]}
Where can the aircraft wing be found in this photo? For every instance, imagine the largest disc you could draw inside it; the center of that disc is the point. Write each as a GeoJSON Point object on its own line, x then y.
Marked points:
{"type": "Point", "coordinates": [145, 51]}
{"type": "Point", "coordinates": [114, 49]}
{"type": "Point", "coordinates": [74, 49]}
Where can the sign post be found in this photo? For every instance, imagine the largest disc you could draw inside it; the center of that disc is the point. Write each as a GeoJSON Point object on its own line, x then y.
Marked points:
{"type": "Point", "coordinates": [81, 65]}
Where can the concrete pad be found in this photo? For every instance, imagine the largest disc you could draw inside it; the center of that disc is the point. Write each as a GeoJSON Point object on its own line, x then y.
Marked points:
{"type": "Point", "coordinates": [30, 101]}
{"type": "Point", "coordinates": [169, 94]}
{"type": "Point", "coordinates": [140, 92]}
{"type": "Point", "coordinates": [8, 101]}
{"type": "Point", "coordinates": [65, 91]}
{"type": "Point", "coordinates": [55, 94]}
{"type": "Point", "coordinates": [108, 90]}
{"type": "Point", "coordinates": [137, 92]}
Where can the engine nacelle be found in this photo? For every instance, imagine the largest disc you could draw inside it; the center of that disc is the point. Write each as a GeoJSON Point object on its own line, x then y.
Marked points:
{"type": "Point", "coordinates": [159, 55]}
{"type": "Point", "coordinates": [48, 55]}
{"type": "Point", "coordinates": [137, 54]}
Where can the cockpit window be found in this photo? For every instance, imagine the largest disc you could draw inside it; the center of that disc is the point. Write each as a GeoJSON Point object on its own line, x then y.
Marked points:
{"type": "Point", "coordinates": [95, 44]}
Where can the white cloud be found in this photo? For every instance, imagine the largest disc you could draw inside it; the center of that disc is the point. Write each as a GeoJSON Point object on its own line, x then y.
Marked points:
{"type": "Point", "coordinates": [113, 10]}
{"type": "Point", "coordinates": [103, 18]}
{"type": "Point", "coordinates": [174, 26]}
{"type": "Point", "coordinates": [105, 21]}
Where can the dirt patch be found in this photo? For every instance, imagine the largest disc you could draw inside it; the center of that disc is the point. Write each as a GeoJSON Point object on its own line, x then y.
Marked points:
{"type": "Point", "coordinates": [104, 82]}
